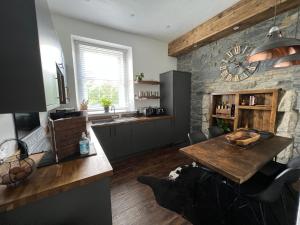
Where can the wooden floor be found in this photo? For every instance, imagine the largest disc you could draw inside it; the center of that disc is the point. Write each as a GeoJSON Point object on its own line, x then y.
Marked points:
{"type": "Point", "coordinates": [134, 203]}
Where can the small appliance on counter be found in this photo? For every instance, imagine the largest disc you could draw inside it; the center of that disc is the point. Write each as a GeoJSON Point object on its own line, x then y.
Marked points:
{"type": "Point", "coordinates": [155, 111]}
{"type": "Point", "coordinates": [161, 111]}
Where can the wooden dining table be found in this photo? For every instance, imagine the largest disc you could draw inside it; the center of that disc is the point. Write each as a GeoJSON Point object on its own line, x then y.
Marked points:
{"type": "Point", "coordinates": [235, 162]}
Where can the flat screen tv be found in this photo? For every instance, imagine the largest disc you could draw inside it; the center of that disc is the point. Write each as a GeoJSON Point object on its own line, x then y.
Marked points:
{"type": "Point", "coordinates": [25, 123]}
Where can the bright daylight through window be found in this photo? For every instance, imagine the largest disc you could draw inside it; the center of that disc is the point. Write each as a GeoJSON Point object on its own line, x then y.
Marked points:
{"type": "Point", "coordinates": [103, 75]}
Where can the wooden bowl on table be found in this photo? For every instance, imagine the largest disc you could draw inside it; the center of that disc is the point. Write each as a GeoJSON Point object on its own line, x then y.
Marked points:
{"type": "Point", "coordinates": [242, 137]}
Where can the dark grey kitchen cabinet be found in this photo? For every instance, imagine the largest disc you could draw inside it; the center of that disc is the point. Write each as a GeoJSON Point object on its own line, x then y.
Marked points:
{"type": "Point", "coordinates": [116, 140]}
{"type": "Point", "coordinates": [105, 137]}
{"type": "Point", "coordinates": [143, 136]}
{"type": "Point", "coordinates": [30, 51]}
{"type": "Point", "coordinates": [175, 96]}
{"type": "Point", "coordinates": [121, 140]}
{"type": "Point", "coordinates": [162, 132]}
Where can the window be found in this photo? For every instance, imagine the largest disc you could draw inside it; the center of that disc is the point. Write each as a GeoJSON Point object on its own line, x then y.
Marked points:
{"type": "Point", "coordinates": [103, 72]}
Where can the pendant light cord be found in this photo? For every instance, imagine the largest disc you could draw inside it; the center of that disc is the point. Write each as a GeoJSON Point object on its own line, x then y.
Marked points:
{"type": "Point", "coordinates": [297, 24]}
{"type": "Point", "coordinates": [275, 12]}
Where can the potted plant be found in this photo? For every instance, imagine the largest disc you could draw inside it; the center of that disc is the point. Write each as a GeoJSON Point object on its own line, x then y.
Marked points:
{"type": "Point", "coordinates": [223, 125]}
{"type": "Point", "coordinates": [106, 102]}
{"type": "Point", "coordinates": [139, 77]}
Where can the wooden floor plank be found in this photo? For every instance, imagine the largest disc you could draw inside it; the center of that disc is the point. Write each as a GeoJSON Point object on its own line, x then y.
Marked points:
{"type": "Point", "coordinates": [134, 203]}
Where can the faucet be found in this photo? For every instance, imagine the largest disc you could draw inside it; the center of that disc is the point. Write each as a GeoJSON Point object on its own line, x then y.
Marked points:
{"type": "Point", "coordinates": [114, 116]}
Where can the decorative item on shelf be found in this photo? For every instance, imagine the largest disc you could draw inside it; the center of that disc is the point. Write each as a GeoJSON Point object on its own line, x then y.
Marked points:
{"type": "Point", "coordinates": [234, 66]}
{"type": "Point", "coordinates": [147, 95]}
{"type": "Point", "coordinates": [106, 103]}
{"type": "Point", "coordinates": [84, 107]}
{"type": "Point", "coordinates": [16, 168]}
{"type": "Point", "coordinates": [243, 137]}
{"type": "Point", "coordinates": [276, 45]}
{"type": "Point", "coordinates": [232, 110]}
{"type": "Point", "coordinates": [139, 77]}
{"type": "Point", "coordinates": [252, 100]}
{"type": "Point", "coordinates": [223, 109]}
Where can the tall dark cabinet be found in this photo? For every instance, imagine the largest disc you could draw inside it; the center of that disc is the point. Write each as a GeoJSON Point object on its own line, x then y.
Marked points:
{"type": "Point", "coordinates": [30, 54]}
{"type": "Point", "coordinates": [175, 96]}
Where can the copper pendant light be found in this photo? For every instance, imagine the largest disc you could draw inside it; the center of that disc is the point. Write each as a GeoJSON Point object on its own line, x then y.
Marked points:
{"type": "Point", "coordinates": [290, 60]}
{"type": "Point", "coordinates": [276, 46]}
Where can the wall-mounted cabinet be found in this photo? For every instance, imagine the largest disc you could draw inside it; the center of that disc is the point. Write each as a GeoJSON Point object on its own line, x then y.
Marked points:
{"type": "Point", "coordinates": [30, 51]}
{"type": "Point", "coordinates": [255, 109]}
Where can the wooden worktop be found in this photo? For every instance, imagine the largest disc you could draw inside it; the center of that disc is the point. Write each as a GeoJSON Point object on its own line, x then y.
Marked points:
{"type": "Point", "coordinates": [57, 178]}
{"type": "Point", "coordinates": [127, 120]}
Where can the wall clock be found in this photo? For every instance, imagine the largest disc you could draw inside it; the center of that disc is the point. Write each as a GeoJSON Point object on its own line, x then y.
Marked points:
{"type": "Point", "coordinates": [234, 66]}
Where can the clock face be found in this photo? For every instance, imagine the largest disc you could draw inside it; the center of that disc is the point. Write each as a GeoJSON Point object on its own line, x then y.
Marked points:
{"type": "Point", "coordinates": [235, 67]}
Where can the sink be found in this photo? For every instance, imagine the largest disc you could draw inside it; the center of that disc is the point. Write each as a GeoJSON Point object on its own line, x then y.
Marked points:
{"type": "Point", "coordinates": [109, 120]}
{"type": "Point", "coordinates": [113, 120]}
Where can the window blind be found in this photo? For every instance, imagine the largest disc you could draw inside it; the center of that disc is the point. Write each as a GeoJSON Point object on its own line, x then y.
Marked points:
{"type": "Point", "coordinates": [102, 71]}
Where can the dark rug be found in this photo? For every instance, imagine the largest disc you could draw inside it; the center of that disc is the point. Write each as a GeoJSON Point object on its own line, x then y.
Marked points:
{"type": "Point", "coordinates": [206, 198]}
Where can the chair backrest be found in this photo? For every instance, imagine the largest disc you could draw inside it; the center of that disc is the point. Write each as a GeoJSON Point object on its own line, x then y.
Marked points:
{"type": "Point", "coordinates": [294, 163]}
{"type": "Point", "coordinates": [196, 137]}
{"type": "Point", "coordinates": [215, 131]}
{"type": "Point", "coordinates": [273, 192]}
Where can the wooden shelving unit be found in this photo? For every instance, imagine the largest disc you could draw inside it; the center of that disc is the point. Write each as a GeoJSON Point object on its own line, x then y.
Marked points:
{"type": "Point", "coordinates": [149, 82]}
{"type": "Point", "coordinates": [261, 116]}
{"type": "Point", "coordinates": [223, 117]}
{"type": "Point", "coordinates": [256, 107]}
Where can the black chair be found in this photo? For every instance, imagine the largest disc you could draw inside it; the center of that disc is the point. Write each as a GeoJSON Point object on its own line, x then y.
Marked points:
{"type": "Point", "coordinates": [294, 163]}
{"type": "Point", "coordinates": [265, 190]}
{"type": "Point", "coordinates": [215, 131]}
{"type": "Point", "coordinates": [196, 137]}
{"type": "Point", "coordinates": [274, 168]}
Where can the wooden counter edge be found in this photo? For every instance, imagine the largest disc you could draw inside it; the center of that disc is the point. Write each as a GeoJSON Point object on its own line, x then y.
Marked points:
{"type": "Point", "coordinates": [143, 119]}
{"type": "Point", "coordinates": [18, 202]}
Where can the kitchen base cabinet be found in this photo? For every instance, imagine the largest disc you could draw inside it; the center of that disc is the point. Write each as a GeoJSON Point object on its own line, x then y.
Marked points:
{"type": "Point", "coordinates": [163, 132]}
{"type": "Point", "coordinates": [121, 144]}
{"type": "Point", "coordinates": [143, 136]}
{"type": "Point", "coordinates": [88, 204]}
{"type": "Point", "coordinates": [116, 140]}
{"type": "Point", "coordinates": [122, 140]}
{"type": "Point", "coordinates": [105, 137]}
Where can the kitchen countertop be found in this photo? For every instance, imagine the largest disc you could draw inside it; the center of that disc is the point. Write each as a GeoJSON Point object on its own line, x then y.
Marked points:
{"type": "Point", "coordinates": [127, 120]}
{"type": "Point", "coordinates": [50, 180]}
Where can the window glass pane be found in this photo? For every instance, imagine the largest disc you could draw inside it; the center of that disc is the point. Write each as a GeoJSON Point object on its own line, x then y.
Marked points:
{"type": "Point", "coordinates": [102, 72]}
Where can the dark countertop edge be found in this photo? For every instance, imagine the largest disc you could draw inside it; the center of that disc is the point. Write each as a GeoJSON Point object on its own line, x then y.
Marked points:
{"type": "Point", "coordinates": [24, 200]}
{"type": "Point", "coordinates": [136, 120]}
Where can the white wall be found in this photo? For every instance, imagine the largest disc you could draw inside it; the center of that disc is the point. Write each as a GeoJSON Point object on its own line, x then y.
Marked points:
{"type": "Point", "coordinates": [149, 56]}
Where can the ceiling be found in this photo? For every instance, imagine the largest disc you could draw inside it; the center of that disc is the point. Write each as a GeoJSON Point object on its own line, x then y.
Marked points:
{"type": "Point", "coordinates": [160, 19]}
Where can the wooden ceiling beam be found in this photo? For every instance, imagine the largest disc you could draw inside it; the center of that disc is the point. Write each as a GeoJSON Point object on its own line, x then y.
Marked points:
{"type": "Point", "coordinates": [243, 14]}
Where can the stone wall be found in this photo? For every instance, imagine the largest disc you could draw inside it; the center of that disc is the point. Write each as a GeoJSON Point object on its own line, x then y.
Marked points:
{"type": "Point", "coordinates": [204, 64]}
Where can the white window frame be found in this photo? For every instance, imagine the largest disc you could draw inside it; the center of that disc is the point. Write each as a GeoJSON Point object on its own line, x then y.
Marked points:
{"type": "Point", "coordinates": [128, 74]}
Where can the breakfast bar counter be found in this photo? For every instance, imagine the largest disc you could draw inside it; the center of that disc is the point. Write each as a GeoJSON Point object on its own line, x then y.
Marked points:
{"type": "Point", "coordinates": [72, 192]}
